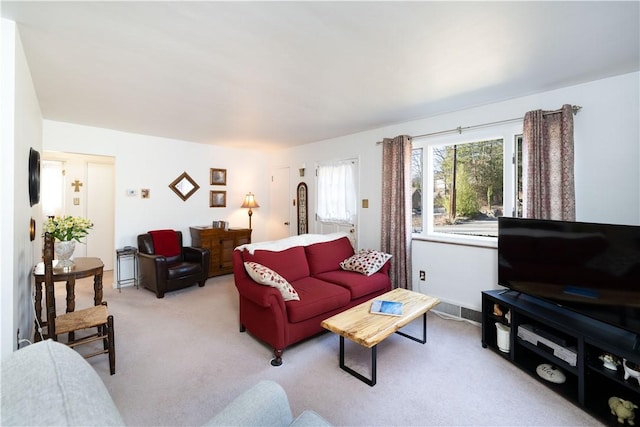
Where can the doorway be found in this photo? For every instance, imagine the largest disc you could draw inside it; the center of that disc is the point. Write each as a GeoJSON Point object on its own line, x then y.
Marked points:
{"type": "Point", "coordinates": [83, 185]}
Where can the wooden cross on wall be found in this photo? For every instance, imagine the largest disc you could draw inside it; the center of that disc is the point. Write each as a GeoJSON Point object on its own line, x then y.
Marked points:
{"type": "Point", "coordinates": [77, 184]}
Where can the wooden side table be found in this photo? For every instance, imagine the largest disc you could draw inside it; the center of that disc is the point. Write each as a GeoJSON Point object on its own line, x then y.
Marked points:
{"type": "Point", "coordinates": [84, 267]}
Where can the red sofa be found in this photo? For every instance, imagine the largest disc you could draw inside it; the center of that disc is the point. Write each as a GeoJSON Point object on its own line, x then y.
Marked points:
{"type": "Point", "coordinates": [314, 272]}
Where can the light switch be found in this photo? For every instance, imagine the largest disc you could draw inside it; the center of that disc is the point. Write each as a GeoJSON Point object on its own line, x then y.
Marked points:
{"type": "Point", "coordinates": [76, 201]}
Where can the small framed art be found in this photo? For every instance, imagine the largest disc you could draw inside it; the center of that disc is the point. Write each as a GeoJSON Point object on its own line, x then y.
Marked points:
{"type": "Point", "coordinates": [218, 176]}
{"type": "Point", "coordinates": [217, 199]}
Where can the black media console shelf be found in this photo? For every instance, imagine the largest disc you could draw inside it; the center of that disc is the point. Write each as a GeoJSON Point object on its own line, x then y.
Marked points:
{"type": "Point", "coordinates": [588, 383]}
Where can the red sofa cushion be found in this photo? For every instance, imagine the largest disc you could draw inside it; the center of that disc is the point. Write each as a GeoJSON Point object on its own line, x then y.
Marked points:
{"type": "Point", "coordinates": [290, 263]}
{"type": "Point", "coordinates": [327, 256]}
{"type": "Point", "coordinates": [358, 284]}
{"type": "Point", "coordinates": [316, 297]}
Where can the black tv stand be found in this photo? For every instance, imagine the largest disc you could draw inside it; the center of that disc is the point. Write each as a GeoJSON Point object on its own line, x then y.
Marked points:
{"type": "Point", "coordinates": [588, 383]}
{"type": "Point", "coordinates": [510, 292]}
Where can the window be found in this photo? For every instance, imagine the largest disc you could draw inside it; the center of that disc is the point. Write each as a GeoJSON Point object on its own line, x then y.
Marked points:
{"type": "Point", "coordinates": [337, 192]}
{"type": "Point", "coordinates": [462, 183]}
{"type": "Point", "coordinates": [518, 210]}
{"type": "Point", "coordinates": [416, 190]}
{"type": "Point", "coordinates": [52, 179]}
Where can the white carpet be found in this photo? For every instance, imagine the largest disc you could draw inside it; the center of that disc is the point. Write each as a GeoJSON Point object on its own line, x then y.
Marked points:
{"type": "Point", "coordinates": [180, 359]}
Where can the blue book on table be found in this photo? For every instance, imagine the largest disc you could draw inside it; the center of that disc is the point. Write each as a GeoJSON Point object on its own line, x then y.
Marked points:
{"type": "Point", "coordinates": [390, 308]}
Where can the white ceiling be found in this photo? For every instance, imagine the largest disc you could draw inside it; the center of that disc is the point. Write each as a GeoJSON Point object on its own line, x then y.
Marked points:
{"type": "Point", "coordinates": [266, 75]}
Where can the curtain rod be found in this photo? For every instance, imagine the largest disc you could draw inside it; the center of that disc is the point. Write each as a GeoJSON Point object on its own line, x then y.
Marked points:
{"type": "Point", "coordinates": [459, 129]}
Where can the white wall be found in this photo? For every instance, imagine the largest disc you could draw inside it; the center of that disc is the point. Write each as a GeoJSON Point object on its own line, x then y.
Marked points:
{"type": "Point", "coordinates": [361, 146]}
{"type": "Point", "coordinates": [607, 149]}
{"type": "Point", "coordinates": [150, 162]}
{"type": "Point", "coordinates": [21, 130]}
{"type": "Point", "coordinates": [607, 165]}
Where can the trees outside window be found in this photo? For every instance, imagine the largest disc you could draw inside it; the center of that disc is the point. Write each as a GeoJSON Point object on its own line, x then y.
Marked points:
{"type": "Point", "coordinates": [416, 190]}
{"type": "Point", "coordinates": [467, 182]}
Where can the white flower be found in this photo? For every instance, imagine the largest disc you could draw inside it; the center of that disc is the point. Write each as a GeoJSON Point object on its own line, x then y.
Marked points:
{"type": "Point", "coordinates": [68, 227]}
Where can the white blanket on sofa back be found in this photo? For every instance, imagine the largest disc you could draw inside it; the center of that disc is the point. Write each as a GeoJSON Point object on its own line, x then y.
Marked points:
{"type": "Point", "coordinates": [290, 242]}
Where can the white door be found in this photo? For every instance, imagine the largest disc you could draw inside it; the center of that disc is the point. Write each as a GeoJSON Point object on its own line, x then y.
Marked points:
{"type": "Point", "coordinates": [280, 202]}
{"type": "Point", "coordinates": [328, 228]}
{"type": "Point", "coordinates": [100, 208]}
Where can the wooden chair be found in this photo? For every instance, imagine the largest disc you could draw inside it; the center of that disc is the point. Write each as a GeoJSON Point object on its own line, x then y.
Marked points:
{"type": "Point", "coordinates": [94, 317]}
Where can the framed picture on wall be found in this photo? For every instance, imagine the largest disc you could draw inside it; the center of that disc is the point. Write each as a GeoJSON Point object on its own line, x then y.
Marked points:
{"type": "Point", "coordinates": [217, 199]}
{"type": "Point", "coordinates": [218, 176]}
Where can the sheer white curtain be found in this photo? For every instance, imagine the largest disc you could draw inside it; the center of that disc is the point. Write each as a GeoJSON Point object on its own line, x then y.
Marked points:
{"type": "Point", "coordinates": [337, 192]}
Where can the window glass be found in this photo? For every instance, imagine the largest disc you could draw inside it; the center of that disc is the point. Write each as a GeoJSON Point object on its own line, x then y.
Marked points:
{"type": "Point", "coordinates": [518, 210]}
{"type": "Point", "coordinates": [462, 183]}
{"type": "Point", "coordinates": [337, 192]}
{"type": "Point", "coordinates": [52, 187]}
{"type": "Point", "coordinates": [416, 190]}
{"type": "Point", "coordinates": [468, 187]}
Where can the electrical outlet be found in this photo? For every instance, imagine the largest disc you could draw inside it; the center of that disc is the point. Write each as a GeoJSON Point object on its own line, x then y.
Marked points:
{"type": "Point", "coordinates": [423, 275]}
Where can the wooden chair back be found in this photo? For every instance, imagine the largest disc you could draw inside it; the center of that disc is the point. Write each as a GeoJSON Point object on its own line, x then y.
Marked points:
{"type": "Point", "coordinates": [93, 317]}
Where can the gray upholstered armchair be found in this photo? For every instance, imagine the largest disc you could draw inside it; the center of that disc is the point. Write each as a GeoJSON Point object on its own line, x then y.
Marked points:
{"type": "Point", "coordinates": [48, 383]}
{"type": "Point", "coordinates": [166, 265]}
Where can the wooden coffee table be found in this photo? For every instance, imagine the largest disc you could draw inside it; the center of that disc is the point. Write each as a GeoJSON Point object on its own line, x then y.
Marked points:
{"type": "Point", "coordinates": [368, 330]}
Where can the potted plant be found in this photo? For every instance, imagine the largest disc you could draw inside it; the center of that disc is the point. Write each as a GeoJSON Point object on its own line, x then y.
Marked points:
{"type": "Point", "coordinates": [67, 230]}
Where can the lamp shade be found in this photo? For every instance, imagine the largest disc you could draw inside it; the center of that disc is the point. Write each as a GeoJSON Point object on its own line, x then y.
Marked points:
{"type": "Point", "coordinates": [250, 201]}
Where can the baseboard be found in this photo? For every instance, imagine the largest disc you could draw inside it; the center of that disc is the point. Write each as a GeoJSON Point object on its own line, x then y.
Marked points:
{"type": "Point", "coordinates": [458, 311]}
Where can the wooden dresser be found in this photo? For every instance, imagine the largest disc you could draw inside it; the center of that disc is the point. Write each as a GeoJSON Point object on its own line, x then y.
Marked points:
{"type": "Point", "coordinates": [221, 244]}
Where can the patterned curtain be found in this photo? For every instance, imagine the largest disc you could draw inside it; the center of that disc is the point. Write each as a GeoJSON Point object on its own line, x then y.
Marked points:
{"type": "Point", "coordinates": [396, 208]}
{"type": "Point", "coordinates": [548, 162]}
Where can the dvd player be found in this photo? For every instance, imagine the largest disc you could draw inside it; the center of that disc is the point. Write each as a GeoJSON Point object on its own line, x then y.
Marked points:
{"type": "Point", "coordinates": [548, 342]}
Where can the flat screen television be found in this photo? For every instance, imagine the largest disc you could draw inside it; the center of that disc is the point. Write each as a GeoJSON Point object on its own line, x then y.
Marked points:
{"type": "Point", "coordinates": [591, 268]}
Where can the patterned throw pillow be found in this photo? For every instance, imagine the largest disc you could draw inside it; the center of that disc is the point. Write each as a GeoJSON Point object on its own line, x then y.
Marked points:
{"type": "Point", "coordinates": [366, 261]}
{"type": "Point", "coordinates": [266, 276]}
